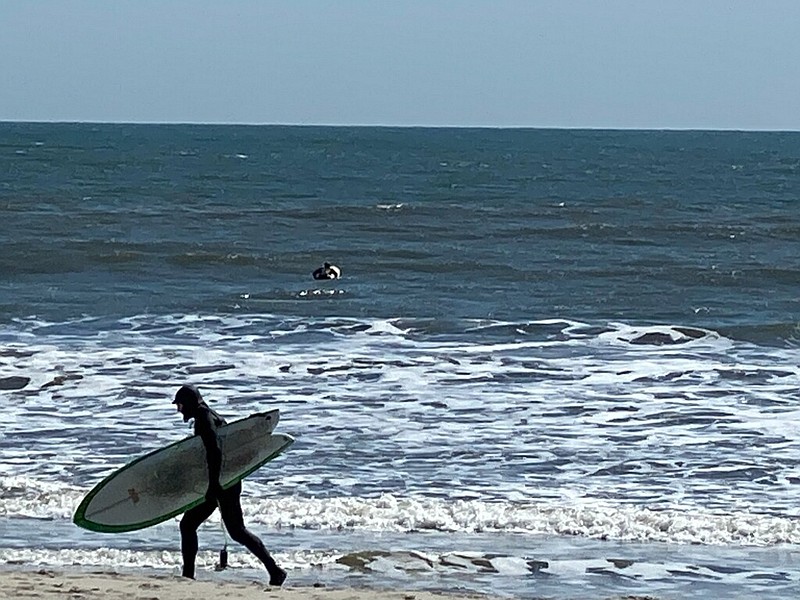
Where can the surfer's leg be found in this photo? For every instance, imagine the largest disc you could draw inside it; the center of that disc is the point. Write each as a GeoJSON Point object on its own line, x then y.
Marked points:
{"type": "Point", "coordinates": [190, 521]}
{"type": "Point", "coordinates": [231, 510]}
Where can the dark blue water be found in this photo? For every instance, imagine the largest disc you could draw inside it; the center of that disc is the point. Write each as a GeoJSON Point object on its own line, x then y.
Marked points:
{"type": "Point", "coordinates": [576, 347]}
{"type": "Point", "coordinates": [696, 227]}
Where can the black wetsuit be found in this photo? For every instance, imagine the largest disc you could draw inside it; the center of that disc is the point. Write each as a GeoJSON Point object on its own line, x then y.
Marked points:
{"type": "Point", "coordinates": [206, 423]}
{"type": "Point", "coordinates": [327, 271]}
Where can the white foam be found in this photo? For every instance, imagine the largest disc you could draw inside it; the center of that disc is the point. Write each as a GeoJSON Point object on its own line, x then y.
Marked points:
{"type": "Point", "coordinates": [707, 426]}
{"type": "Point", "coordinates": [22, 497]}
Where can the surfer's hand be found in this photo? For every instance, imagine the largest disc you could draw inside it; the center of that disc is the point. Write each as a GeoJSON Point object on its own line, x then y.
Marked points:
{"type": "Point", "coordinates": [214, 492]}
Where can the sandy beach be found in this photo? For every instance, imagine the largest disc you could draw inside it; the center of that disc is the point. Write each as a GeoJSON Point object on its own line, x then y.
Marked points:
{"type": "Point", "coordinates": [46, 584]}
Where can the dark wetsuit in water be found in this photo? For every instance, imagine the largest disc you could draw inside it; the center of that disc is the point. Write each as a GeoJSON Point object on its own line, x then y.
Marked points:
{"type": "Point", "coordinates": [206, 424]}
{"type": "Point", "coordinates": [327, 271]}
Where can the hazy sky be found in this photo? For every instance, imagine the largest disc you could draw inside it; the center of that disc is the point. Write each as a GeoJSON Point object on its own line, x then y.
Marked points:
{"type": "Point", "coordinates": [709, 64]}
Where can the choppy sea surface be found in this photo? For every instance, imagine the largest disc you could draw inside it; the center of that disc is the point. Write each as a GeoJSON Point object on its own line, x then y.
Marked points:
{"type": "Point", "coordinates": [558, 364]}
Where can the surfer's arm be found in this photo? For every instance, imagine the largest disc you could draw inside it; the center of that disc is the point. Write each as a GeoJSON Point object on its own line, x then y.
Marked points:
{"type": "Point", "coordinates": [208, 435]}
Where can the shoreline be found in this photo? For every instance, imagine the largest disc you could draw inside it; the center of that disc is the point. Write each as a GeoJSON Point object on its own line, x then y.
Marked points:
{"type": "Point", "coordinates": [55, 584]}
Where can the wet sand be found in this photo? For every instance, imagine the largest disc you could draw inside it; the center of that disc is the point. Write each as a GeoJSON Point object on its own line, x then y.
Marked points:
{"type": "Point", "coordinates": [46, 584]}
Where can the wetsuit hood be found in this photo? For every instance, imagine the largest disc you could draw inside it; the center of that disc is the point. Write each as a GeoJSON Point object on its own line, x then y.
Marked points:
{"type": "Point", "coordinates": [189, 397]}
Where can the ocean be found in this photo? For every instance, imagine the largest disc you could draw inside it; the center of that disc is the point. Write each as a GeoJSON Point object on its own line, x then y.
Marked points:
{"type": "Point", "coordinates": [558, 363]}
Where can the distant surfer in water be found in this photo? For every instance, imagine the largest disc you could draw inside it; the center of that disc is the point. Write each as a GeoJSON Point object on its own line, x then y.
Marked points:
{"type": "Point", "coordinates": [206, 423]}
{"type": "Point", "coordinates": [327, 271]}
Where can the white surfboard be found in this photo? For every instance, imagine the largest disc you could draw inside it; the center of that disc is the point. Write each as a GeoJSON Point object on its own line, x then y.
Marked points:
{"type": "Point", "coordinates": [169, 481]}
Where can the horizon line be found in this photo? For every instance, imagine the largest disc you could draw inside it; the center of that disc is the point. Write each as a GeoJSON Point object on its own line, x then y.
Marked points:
{"type": "Point", "coordinates": [398, 126]}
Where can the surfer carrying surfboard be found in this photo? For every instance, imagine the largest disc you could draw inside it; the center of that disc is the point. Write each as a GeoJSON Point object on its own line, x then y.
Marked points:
{"type": "Point", "coordinates": [191, 405]}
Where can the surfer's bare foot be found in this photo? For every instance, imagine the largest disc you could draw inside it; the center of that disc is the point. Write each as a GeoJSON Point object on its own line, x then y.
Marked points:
{"type": "Point", "coordinates": [277, 577]}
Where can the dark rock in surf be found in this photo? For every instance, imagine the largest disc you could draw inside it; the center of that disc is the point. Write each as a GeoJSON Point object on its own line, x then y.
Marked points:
{"type": "Point", "coordinates": [659, 338]}
{"type": "Point", "coordinates": [61, 379]}
{"type": "Point", "coordinates": [14, 383]}
{"type": "Point", "coordinates": [537, 565]}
